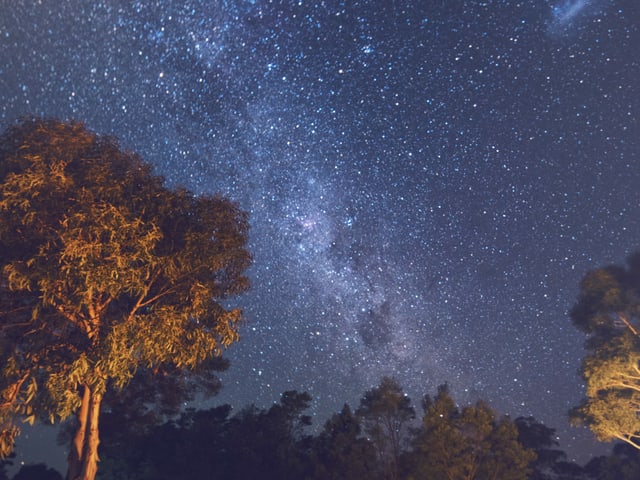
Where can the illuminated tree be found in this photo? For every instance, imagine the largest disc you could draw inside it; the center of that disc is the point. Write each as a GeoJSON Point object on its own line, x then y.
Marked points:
{"type": "Point", "coordinates": [438, 446]}
{"type": "Point", "coordinates": [608, 310]}
{"type": "Point", "coordinates": [103, 272]}
{"type": "Point", "coordinates": [612, 404]}
{"type": "Point", "coordinates": [467, 444]}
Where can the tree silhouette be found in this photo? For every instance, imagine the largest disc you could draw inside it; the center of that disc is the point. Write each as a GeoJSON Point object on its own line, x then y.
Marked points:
{"type": "Point", "coordinates": [539, 438]}
{"type": "Point", "coordinates": [340, 452]}
{"type": "Point", "coordinates": [151, 400]}
{"type": "Point", "coordinates": [103, 271]}
{"type": "Point", "coordinates": [38, 471]}
{"type": "Point", "coordinates": [265, 443]}
{"type": "Point", "coordinates": [386, 411]}
{"type": "Point", "coordinates": [622, 464]}
{"type": "Point", "coordinates": [453, 444]}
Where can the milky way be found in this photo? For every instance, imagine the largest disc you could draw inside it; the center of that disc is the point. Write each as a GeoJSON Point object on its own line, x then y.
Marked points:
{"type": "Point", "coordinates": [427, 181]}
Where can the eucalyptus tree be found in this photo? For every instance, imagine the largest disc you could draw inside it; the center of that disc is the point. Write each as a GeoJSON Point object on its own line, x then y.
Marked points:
{"type": "Point", "coordinates": [104, 272]}
{"type": "Point", "coordinates": [608, 311]}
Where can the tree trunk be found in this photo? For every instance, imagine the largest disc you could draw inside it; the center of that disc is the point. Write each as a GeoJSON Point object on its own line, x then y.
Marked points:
{"type": "Point", "coordinates": [83, 459]}
{"type": "Point", "coordinates": [92, 440]}
{"type": "Point", "coordinates": [77, 446]}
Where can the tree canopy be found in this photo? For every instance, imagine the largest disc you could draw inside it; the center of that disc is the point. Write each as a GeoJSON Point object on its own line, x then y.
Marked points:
{"type": "Point", "coordinates": [466, 444]}
{"type": "Point", "coordinates": [608, 310]}
{"type": "Point", "coordinates": [104, 272]}
{"type": "Point", "coordinates": [386, 411]}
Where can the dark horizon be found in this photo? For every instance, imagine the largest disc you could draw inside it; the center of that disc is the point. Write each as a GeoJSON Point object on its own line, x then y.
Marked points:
{"type": "Point", "coordinates": [205, 423]}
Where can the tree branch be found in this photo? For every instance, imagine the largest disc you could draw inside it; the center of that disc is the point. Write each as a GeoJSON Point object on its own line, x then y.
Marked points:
{"type": "Point", "coordinates": [15, 389]}
{"type": "Point", "coordinates": [624, 319]}
{"type": "Point", "coordinates": [628, 439]}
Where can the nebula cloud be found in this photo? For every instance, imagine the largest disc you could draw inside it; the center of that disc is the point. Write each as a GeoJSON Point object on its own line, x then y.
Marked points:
{"type": "Point", "coordinates": [566, 15]}
{"type": "Point", "coordinates": [565, 12]}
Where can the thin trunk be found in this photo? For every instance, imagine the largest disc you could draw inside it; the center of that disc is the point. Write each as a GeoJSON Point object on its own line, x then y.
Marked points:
{"type": "Point", "coordinates": [92, 440]}
{"type": "Point", "coordinates": [83, 458]}
{"type": "Point", "coordinates": [76, 453]}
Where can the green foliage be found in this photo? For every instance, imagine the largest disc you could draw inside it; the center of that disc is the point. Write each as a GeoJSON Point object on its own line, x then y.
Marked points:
{"type": "Point", "coordinates": [104, 271]}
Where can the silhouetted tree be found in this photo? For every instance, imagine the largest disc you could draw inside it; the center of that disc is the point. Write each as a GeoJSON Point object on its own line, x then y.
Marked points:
{"type": "Point", "coordinates": [622, 464]}
{"type": "Point", "coordinates": [38, 471]}
{"type": "Point", "coordinates": [437, 446]}
{"type": "Point", "coordinates": [265, 444]}
{"type": "Point", "coordinates": [569, 471]}
{"type": "Point", "coordinates": [151, 400]}
{"type": "Point", "coordinates": [193, 447]}
{"type": "Point", "coordinates": [536, 436]}
{"type": "Point", "coordinates": [608, 310]}
{"type": "Point", "coordinates": [103, 271]}
{"type": "Point", "coordinates": [7, 462]}
{"type": "Point", "coordinates": [452, 443]}
{"type": "Point", "coordinates": [506, 458]}
{"type": "Point", "coordinates": [608, 303]}
{"type": "Point", "coordinates": [386, 412]}
{"type": "Point", "coordinates": [340, 452]}
{"type": "Point", "coordinates": [205, 444]}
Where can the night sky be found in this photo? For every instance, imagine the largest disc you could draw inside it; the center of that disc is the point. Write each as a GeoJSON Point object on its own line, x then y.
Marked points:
{"type": "Point", "coordinates": [427, 180]}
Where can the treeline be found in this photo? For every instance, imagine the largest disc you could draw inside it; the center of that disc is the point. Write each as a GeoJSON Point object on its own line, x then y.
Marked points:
{"type": "Point", "coordinates": [383, 438]}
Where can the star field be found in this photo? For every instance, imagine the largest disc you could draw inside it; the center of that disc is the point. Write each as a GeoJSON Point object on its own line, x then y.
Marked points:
{"type": "Point", "coordinates": [427, 181]}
